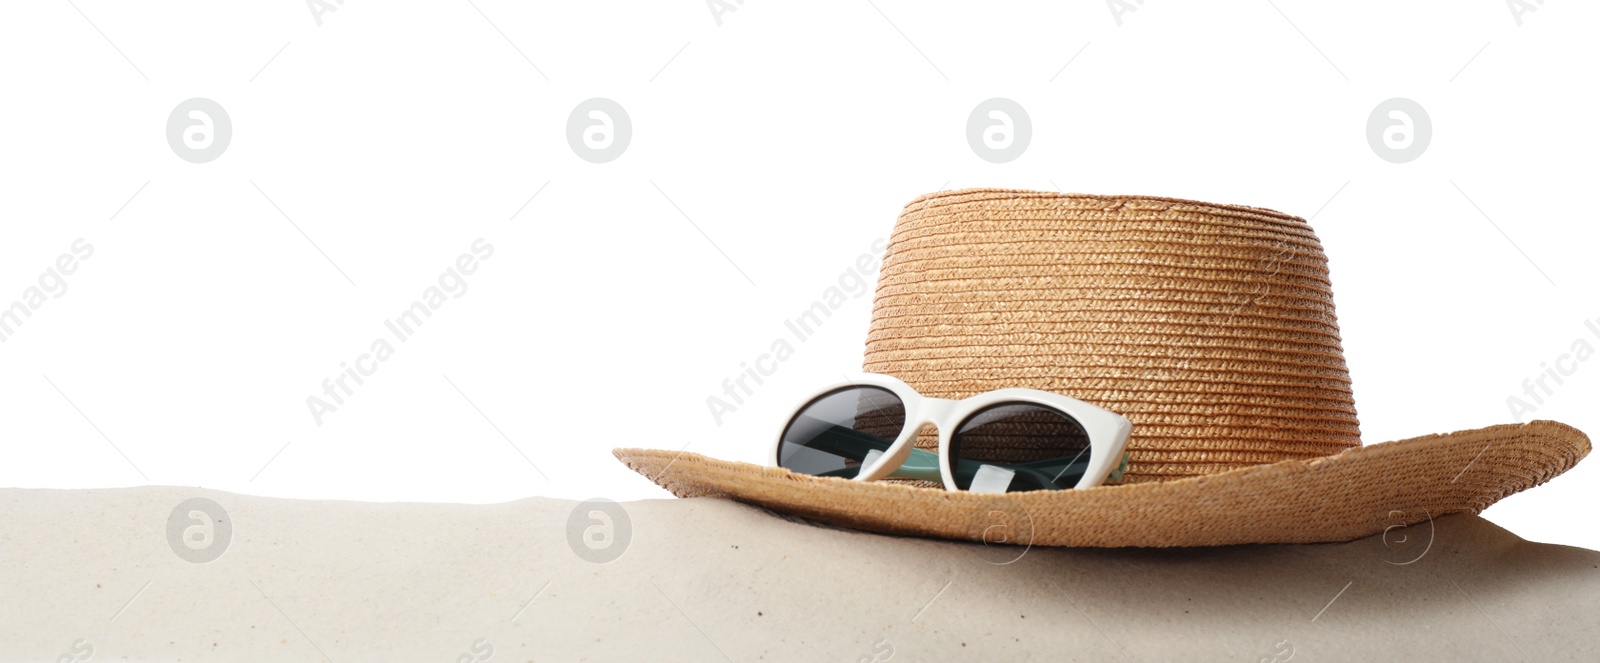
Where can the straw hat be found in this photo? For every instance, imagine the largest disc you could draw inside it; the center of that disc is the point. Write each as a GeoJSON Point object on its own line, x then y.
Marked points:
{"type": "Point", "coordinates": [1210, 327]}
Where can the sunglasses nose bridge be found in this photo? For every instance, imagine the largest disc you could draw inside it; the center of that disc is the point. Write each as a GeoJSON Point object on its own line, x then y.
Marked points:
{"type": "Point", "coordinates": [934, 412]}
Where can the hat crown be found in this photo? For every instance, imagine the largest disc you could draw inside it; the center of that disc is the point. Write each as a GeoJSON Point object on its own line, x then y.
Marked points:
{"type": "Point", "coordinates": [1210, 327]}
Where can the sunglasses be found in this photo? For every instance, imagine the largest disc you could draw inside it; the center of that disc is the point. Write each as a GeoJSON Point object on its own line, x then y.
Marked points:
{"type": "Point", "coordinates": [1006, 440]}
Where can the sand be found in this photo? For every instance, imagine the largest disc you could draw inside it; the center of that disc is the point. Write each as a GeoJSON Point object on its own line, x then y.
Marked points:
{"type": "Point", "coordinates": [93, 575]}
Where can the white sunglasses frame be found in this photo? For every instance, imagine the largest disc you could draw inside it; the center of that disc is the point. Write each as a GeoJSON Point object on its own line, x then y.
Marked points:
{"type": "Point", "coordinates": [1108, 431]}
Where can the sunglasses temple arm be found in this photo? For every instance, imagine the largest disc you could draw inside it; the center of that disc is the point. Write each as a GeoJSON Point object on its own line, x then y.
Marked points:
{"type": "Point", "coordinates": [924, 465]}
{"type": "Point", "coordinates": [856, 445]}
{"type": "Point", "coordinates": [1053, 468]}
{"type": "Point", "coordinates": [853, 444]}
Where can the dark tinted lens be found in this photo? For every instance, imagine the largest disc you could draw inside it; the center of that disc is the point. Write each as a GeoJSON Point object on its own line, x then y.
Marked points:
{"type": "Point", "coordinates": [833, 434]}
{"type": "Point", "coordinates": [1014, 447]}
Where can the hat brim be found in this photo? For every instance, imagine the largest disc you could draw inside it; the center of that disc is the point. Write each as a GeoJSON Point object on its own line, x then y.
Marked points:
{"type": "Point", "coordinates": [1356, 493]}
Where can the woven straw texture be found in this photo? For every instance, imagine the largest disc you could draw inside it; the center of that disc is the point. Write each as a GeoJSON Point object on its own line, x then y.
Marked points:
{"type": "Point", "coordinates": [1210, 327]}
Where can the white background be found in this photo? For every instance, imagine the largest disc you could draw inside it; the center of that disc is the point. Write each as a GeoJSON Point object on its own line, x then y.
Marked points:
{"type": "Point", "coordinates": [393, 134]}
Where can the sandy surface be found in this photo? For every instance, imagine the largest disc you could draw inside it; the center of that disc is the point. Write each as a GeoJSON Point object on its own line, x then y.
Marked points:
{"type": "Point", "coordinates": [94, 575]}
